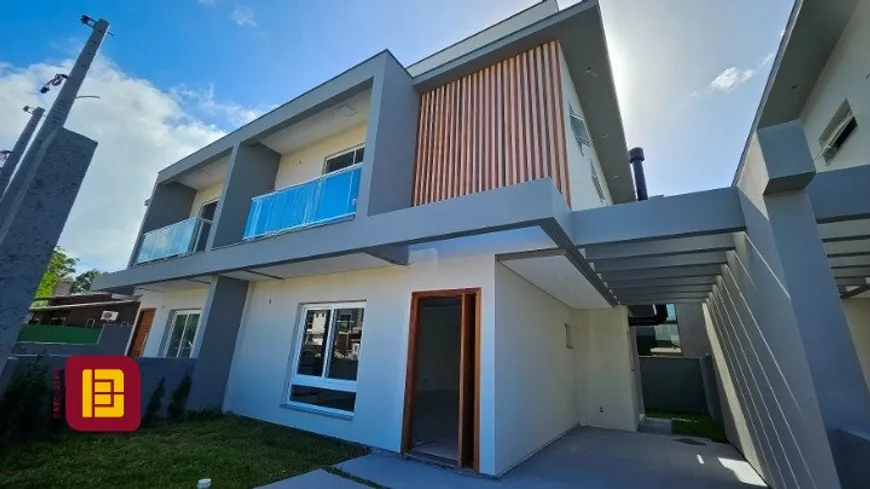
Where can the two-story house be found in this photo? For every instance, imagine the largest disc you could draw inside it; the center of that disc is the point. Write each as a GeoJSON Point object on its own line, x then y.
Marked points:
{"type": "Point", "coordinates": [438, 259]}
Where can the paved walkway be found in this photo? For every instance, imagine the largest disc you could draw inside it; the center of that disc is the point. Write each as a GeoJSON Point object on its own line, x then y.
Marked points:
{"type": "Point", "coordinates": [586, 458]}
{"type": "Point", "coordinates": [319, 479]}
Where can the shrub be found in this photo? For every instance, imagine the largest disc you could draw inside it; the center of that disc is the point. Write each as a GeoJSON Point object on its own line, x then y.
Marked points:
{"type": "Point", "coordinates": [178, 405]}
{"type": "Point", "coordinates": [25, 409]}
{"type": "Point", "coordinates": [152, 411]}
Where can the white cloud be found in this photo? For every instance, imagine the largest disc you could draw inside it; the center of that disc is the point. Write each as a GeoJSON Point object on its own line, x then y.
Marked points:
{"type": "Point", "coordinates": [140, 130]}
{"type": "Point", "coordinates": [203, 101]}
{"type": "Point", "coordinates": [243, 16]}
{"type": "Point", "coordinates": [731, 78]}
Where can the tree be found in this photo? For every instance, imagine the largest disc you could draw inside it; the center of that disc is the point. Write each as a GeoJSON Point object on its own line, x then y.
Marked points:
{"type": "Point", "coordinates": [84, 280]}
{"type": "Point", "coordinates": [60, 266]}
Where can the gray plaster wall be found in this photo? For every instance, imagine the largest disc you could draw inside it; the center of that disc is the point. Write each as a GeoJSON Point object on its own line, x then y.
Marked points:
{"type": "Point", "coordinates": [221, 318]}
{"type": "Point", "coordinates": [169, 203]}
{"type": "Point", "coordinates": [113, 341]}
{"type": "Point", "coordinates": [673, 384]}
{"type": "Point", "coordinates": [388, 170]}
{"type": "Point", "coordinates": [252, 172]}
{"type": "Point", "coordinates": [171, 370]}
{"type": "Point", "coordinates": [772, 315]}
{"type": "Point", "coordinates": [693, 333]}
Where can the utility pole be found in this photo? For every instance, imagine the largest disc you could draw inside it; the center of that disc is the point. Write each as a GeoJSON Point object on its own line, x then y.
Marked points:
{"type": "Point", "coordinates": [17, 150]}
{"type": "Point", "coordinates": [36, 206]}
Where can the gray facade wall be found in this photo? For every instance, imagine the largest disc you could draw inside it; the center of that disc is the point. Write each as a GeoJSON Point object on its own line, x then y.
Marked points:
{"type": "Point", "coordinates": [169, 203]}
{"type": "Point", "coordinates": [673, 384]}
{"type": "Point", "coordinates": [170, 370]}
{"type": "Point", "coordinates": [787, 365]}
{"type": "Point", "coordinates": [113, 341]}
{"type": "Point", "coordinates": [252, 172]}
{"type": "Point", "coordinates": [221, 318]}
{"type": "Point", "coordinates": [391, 142]}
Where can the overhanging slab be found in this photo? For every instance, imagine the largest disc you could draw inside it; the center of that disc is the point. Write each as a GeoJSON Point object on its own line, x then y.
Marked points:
{"type": "Point", "coordinates": [717, 258]}
{"type": "Point", "coordinates": [841, 195]}
{"type": "Point", "coordinates": [693, 244]}
{"type": "Point", "coordinates": [845, 230]}
{"type": "Point", "coordinates": [664, 282]}
{"type": "Point", "coordinates": [696, 214]}
{"type": "Point", "coordinates": [655, 273]}
{"type": "Point", "coordinates": [851, 272]}
{"type": "Point", "coordinates": [847, 248]}
{"type": "Point", "coordinates": [662, 289]}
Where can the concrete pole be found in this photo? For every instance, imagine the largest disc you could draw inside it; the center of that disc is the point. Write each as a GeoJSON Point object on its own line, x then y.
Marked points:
{"type": "Point", "coordinates": [56, 117]}
{"type": "Point", "coordinates": [37, 205]}
{"type": "Point", "coordinates": [18, 150]}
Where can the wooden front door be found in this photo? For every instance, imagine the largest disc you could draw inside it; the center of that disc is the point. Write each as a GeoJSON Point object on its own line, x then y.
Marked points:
{"type": "Point", "coordinates": [140, 334]}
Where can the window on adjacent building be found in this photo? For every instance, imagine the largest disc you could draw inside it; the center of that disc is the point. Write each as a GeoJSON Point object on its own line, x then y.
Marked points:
{"type": "Point", "coordinates": [838, 131]}
{"type": "Point", "coordinates": [343, 160]}
{"type": "Point", "coordinates": [595, 181]}
{"type": "Point", "coordinates": [182, 333]}
{"type": "Point", "coordinates": [325, 364]}
{"type": "Point", "coordinates": [581, 132]}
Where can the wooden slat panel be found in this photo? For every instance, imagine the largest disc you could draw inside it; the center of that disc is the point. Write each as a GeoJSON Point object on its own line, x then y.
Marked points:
{"type": "Point", "coordinates": [499, 126]}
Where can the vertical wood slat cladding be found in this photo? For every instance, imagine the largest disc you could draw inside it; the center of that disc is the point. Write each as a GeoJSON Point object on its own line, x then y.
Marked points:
{"type": "Point", "coordinates": [499, 126]}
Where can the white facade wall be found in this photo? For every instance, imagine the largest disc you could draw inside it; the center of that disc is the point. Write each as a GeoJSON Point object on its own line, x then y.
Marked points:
{"type": "Point", "coordinates": [267, 340]}
{"type": "Point", "coordinates": [844, 77]}
{"type": "Point", "coordinates": [584, 195]}
{"type": "Point", "coordinates": [205, 195]}
{"type": "Point", "coordinates": [607, 394]}
{"type": "Point", "coordinates": [535, 383]}
{"type": "Point", "coordinates": [307, 162]}
{"type": "Point", "coordinates": [858, 315]}
{"type": "Point", "coordinates": [165, 303]}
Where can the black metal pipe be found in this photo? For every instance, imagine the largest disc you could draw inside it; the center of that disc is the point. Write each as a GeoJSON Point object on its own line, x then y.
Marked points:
{"type": "Point", "coordinates": [636, 157]}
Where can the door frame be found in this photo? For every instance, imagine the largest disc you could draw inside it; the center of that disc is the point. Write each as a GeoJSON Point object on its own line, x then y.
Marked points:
{"type": "Point", "coordinates": [411, 367]}
{"type": "Point", "coordinates": [137, 325]}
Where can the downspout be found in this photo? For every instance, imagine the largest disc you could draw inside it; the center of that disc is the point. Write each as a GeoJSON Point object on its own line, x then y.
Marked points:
{"type": "Point", "coordinates": [636, 157]}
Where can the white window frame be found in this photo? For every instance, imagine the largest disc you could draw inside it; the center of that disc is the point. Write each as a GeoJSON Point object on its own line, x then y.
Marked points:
{"type": "Point", "coordinates": [321, 382]}
{"type": "Point", "coordinates": [343, 152]}
{"type": "Point", "coordinates": [167, 339]}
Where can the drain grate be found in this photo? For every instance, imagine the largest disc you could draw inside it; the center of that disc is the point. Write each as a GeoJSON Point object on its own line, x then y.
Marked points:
{"type": "Point", "coordinates": [689, 441]}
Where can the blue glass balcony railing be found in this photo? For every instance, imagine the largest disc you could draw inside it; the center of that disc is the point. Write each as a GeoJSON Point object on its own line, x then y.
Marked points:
{"type": "Point", "coordinates": [176, 239]}
{"type": "Point", "coordinates": [323, 200]}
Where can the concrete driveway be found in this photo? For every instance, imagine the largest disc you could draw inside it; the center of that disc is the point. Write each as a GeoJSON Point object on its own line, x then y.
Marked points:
{"type": "Point", "coordinates": [585, 458]}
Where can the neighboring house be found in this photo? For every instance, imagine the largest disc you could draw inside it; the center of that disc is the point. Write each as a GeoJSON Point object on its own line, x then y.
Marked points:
{"type": "Point", "coordinates": [437, 260]}
{"type": "Point", "coordinates": [89, 309]}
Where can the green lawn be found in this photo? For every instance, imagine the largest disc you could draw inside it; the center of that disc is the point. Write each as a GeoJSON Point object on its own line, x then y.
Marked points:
{"type": "Point", "coordinates": [232, 451]}
{"type": "Point", "coordinates": [700, 425]}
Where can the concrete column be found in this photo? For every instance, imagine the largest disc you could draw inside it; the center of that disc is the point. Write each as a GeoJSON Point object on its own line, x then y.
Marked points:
{"type": "Point", "coordinates": [221, 318]}
{"type": "Point", "coordinates": [782, 231]}
{"type": "Point", "coordinates": [252, 172]}
{"type": "Point", "coordinates": [169, 203]}
{"type": "Point", "coordinates": [18, 150]}
{"type": "Point", "coordinates": [387, 179]}
{"type": "Point", "coordinates": [36, 219]}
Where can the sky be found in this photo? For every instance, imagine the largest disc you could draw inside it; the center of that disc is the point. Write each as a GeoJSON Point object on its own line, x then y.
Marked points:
{"type": "Point", "coordinates": [178, 74]}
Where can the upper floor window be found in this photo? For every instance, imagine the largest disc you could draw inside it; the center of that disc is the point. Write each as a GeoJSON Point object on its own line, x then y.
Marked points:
{"type": "Point", "coordinates": [343, 160]}
{"type": "Point", "coordinates": [841, 127]}
{"type": "Point", "coordinates": [581, 132]}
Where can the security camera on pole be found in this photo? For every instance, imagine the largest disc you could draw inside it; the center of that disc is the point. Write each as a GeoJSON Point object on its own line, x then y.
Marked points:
{"type": "Point", "coordinates": [37, 204]}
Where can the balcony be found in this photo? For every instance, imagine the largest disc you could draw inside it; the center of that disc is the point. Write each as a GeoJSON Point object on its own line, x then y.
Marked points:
{"type": "Point", "coordinates": [179, 239]}
{"type": "Point", "coordinates": [323, 200]}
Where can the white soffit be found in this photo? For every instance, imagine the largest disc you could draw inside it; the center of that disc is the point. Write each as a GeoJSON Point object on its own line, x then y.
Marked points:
{"type": "Point", "coordinates": [557, 276]}
{"type": "Point", "coordinates": [323, 266]}
{"type": "Point", "coordinates": [178, 285]}
{"type": "Point", "coordinates": [207, 175]}
{"type": "Point", "coordinates": [339, 117]}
